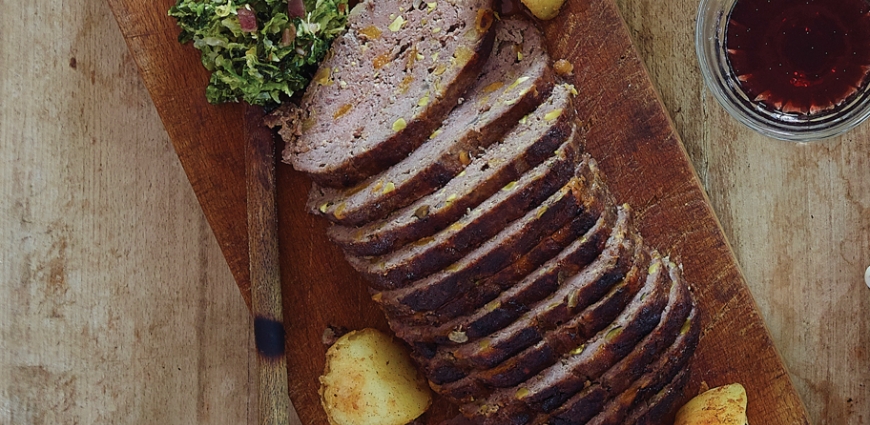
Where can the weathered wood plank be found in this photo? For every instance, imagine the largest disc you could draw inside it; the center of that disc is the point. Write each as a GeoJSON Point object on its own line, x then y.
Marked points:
{"type": "Point", "coordinates": [797, 216]}
{"type": "Point", "coordinates": [116, 305]}
{"type": "Point", "coordinates": [630, 133]}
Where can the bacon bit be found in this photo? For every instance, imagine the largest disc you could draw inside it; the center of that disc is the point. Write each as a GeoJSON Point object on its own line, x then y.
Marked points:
{"type": "Point", "coordinates": [295, 8]}
{"type": "Point", "coordinates": [247, 20]}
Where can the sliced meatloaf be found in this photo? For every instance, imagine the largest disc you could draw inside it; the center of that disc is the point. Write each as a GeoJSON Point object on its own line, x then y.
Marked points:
{"type": "Point", "coordinates": [571, 297]}
{"type": "Point", "coordinates": [584, 405]}
{"type": "Point", "coordinates": [462, 304]}
{"type": "Point", "coordinates": [554, 343]}
{"type": "Point", "coordinates": [567, 293]}
{"type": "Point", "coordinates": [423, 326]}
{"type": "Point", "coordinates": [528, 143]}
{"type": "Point", "coordinates": [655, 411]}
{"type": "Point", "coordinates": [559, 277]}
{"type": "Point", "coordinates": [495, 254]}
{"type": "Point", "coordinates": [565, 337]}
{"type": "Point", "coordinates": [568, 244]}
{"type": "Point", "coordinates": [451, 164]}
{"type": "Point", "coordinates": [550, 388]}
{"type": "Point", "coordinates": [497, 297]}
{"type": "Point", "coordinates": [504, 92]}
{"type": "Point", "coordinates": [656, 378]}
{"type": "Point", "coordinates": [426, 256]}
{"type": "Point", "coordinates": [484, 294]}
{"type": "Point", "coordinates": [386, 84]}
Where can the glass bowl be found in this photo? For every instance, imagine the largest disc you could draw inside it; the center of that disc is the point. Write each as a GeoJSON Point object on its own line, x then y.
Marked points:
{"type": "Point", "coordinates": [710, 35]}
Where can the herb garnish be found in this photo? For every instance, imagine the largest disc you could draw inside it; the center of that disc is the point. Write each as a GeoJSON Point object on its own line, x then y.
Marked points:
{"type": "Point", "coordinates": [258, 64]}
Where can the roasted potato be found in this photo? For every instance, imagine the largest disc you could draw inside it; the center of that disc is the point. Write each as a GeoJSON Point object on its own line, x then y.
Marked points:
{"type": "Point", "coordinates": [544, 9]}
{"type": "Point", "coordinates": [369, 379]}
{"type": "Point", "coordinates": [724, 405]}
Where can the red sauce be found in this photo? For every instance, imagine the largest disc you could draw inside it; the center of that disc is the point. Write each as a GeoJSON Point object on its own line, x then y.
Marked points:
{"type": "Point", "coordinates": [801, 57]}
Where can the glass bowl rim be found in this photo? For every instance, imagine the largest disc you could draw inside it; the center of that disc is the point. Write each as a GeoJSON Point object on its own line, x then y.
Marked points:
{"type": "Point", "coordinates": [716, 72]}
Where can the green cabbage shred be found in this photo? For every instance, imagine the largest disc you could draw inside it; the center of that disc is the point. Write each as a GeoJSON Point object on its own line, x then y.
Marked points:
{"type": "Point", "coordinates": [261, 66]}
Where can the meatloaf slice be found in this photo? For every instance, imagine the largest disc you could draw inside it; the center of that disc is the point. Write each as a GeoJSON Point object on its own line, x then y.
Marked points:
{"type": "Point", "coordinates": [585, 404]}
{"type": "Point", "coordinates": [495, 254]}
{"type": "Point", "coordinates": [658, 375]}
{"type": "Point", "coordinates": [515, 199]}
{"type": "Point", "coordinates": [656, 410]}
{"type": "Point", "coordinates": [555, 343]}
{"type": "Point", "coordinates": [526, 145]}
{"type": "Point", "coordinates": [484, 293]}
{"type": "Point", "coordinates": [478, 308]}
{"type": "Point", "coordinates": [566, 292]}
{"type": "Point", "coordinates": [386, 84]}
{"type": "Point", "coordinates": [550, 388]}
{"type": "Point", "coordinates": [505, 91]}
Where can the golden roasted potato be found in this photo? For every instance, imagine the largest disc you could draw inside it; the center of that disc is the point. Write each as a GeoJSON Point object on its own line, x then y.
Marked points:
{"type": "Point", "coordinates": [725, 405]}
{"type": "Point", "coordinates": [369, 379]}
{"type": "Point", "coordinates": [544, 9]}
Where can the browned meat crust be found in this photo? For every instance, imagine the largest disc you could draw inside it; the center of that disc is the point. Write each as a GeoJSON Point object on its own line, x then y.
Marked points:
{"type": "Point", "coordinates": [504, 92]}
{"type": "Point", "coordinates": [363, 111]}
{"type": "Point", "coordinates": [550, 388]}
{"type": "Point", "coordinates": [432, 253]}
{"type": "Point", "coordinates": [510, 244]}
{"type": "Point", "coordinates": [584, 405]}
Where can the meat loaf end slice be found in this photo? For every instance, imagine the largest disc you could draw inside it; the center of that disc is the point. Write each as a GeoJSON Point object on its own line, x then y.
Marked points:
{"type": "Point", "coordinates": [505, 91]}
{"type": "Point", "coordinates": [386, 85]}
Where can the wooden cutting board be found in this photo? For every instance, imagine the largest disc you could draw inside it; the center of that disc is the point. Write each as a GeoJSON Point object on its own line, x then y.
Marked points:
{"type": "Point", "coordinates": [629, 133]}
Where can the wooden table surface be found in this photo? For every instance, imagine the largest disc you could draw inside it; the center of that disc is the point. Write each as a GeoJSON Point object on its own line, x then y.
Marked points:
{"type": "Point", "coordinates": [116, 305]}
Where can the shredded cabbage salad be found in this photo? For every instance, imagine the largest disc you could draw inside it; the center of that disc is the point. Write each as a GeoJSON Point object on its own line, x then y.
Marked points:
{"type": "Point", "coordinates": [259, 50]}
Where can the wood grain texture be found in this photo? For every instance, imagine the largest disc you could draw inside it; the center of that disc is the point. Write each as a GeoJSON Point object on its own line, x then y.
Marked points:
{"type": "Point", "coordinates": [797, 215]}
{"type": "Point", "coordinates": [205, 138]}
{"type": "Point", "coordinates": [631, 135]}
{"type": "Point", "coordinates": [146, 292]}
{"type": "Point", "coordinates": [116, 305]}
{"type": "Point", "coordinates": [646, 164]}
{"type": "Point", "coordinates": [267, 305]}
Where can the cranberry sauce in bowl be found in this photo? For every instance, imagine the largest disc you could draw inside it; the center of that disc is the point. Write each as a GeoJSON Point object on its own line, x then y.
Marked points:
{"type": "Point", "coordinates": [793, 70]}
